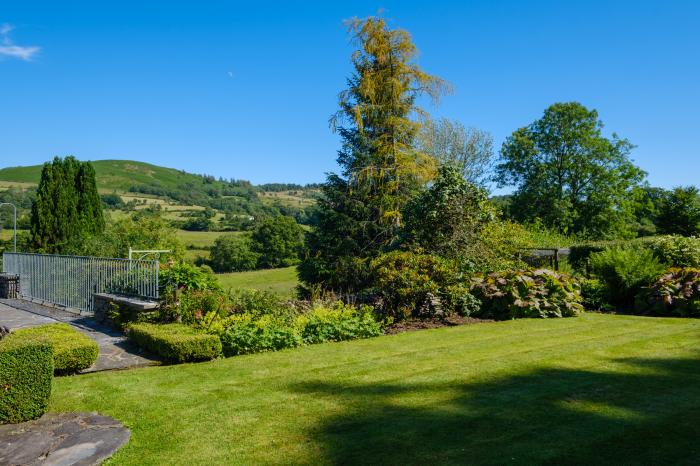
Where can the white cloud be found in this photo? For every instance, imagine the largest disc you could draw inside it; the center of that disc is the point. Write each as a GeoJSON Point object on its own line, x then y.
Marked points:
{"type": "Point", "coordinates": [10, 49]}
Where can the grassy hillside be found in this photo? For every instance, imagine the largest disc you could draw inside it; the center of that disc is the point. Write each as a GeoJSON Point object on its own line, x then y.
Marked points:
{"type": "Point", "coordinates": [114, 175]}
{"type": "Point", "coordinates": [599, 389]}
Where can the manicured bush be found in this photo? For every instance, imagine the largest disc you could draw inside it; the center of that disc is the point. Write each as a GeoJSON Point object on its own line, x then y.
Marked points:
{"type": "Point", "coordinates": [675, 293]}
{"type": "Point", "coordinates": [624, 272]}
{"type": "Point", "coordinates": [72, 350]}
{"type": "Point", "coordinates": [26, 373]}
{"type": "Point", "coordinates": [526, 293]}
{"type": "Point", "coordinates": [676, 251]}
{"type": "Point", "coordinates": [175, 342]}
{"type": "Point", "coordinates": [337, 323]}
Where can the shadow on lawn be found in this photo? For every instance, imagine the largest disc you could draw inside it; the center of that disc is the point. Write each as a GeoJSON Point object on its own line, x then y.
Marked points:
{"type": "Point", "coordinates": [553, 416]}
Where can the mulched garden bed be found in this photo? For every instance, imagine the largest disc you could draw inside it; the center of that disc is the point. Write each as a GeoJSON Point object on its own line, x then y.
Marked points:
{"type": "Point", "coordinates": [422, 324]}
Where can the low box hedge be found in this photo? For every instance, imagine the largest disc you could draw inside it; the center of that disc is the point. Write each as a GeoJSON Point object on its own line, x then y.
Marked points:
{"type": "Point", "coordinates": [175, 342]}
{"type": "Point", "coordinates": [26, 372]}
{"type": "Point", "coordinates": [72, 350]}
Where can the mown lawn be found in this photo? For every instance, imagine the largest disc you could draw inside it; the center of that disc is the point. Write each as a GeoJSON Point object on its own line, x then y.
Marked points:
{"type": "Point", "coordinates": [591, 390]}
{"type": "Point", "coordinates": [281, 281]}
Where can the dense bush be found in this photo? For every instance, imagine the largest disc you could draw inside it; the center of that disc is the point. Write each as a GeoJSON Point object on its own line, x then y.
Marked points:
{"type": "Point", "coordinates": [675, 293]}
{"type": "Point", "coordinates": [72, 350]}
{"type": "Point", "coordinates": [245, 334]}
{"type": "Point", "coordinates": [175, 342]}
{"type": "Point", "coordinates": [677, 251]}
{"type": "Point", "coordinates": [232, 254]}
{"type": "Point", "coordinates": [405, 280]}
{"type": "Point", "coordinates": [594, 295]}
{"type": "Point", "coordinates": [184, 276]}
{"type": "Point", "coordinates": [624, 272]}
{"type": "Point", "coordinates": [337, 323]}
{"type": "Point", "coordinates": [527, 293]}
{"type": "Point", "coordinates": [254, 332]}
{"type": "Point", "coordinates": [26, 373]}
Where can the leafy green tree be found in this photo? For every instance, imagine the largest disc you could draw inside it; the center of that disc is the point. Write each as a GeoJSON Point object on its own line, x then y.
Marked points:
{"type": "Point", "coordinates": [360, 214]}
{"type": "Point", "coordinates": [278, 241]}
{"type": "Point", "coordinates": [142, 230]}
{"type": "Point", "coordinates": [448, 219]}
{"type": "Point", "coordinates": [568, 174]}
{"type": "Point", "coordinates": [468, 149]}
{"type": "Point", "coordinates": [646, 206]}
{"type": "Point", "coordinates": [67, 210]}
{"type": "Point", "coordinates": [679, 212]}
{"type": "Point", "coordinates": [232, 254]}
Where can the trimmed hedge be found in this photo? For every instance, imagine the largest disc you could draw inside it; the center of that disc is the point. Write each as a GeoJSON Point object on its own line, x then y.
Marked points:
{"type": "Point", "coordinates": [515, 294]}
{"type": "Point", "coordinates": [175, 342]}
{"type": "Point", "coordinates": [26, 372]}
{"type": "Point", "coordinates": [72, 350]}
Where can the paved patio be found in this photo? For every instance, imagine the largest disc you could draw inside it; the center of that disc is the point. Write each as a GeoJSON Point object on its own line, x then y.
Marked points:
{"type": "Point", "coordinates": [115, 350]}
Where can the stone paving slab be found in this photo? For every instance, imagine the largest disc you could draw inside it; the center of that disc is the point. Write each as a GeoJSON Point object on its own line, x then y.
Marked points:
{"type": "Point", "coordinates": [115, 350]}
{"type": "Point", "coordinates": [62, 439]}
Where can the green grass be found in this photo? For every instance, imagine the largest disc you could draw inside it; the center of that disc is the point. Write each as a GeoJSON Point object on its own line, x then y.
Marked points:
{"type": "Point", "coordinates": [203, 239]}
{"type": "Point", "coordinates": [598, 389]}
{"type": "Point", "coordinates": [7, 233]}
{"type": "Point", "coordinates": [280, 281]}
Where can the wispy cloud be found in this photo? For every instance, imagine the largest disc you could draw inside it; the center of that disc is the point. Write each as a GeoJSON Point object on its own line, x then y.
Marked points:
{"type": "Point", "coordinates": [9, 49]}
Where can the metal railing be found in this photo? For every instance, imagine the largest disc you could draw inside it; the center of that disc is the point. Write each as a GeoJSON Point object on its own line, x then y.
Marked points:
{"type": "Point", "coordinates": [71, 281]}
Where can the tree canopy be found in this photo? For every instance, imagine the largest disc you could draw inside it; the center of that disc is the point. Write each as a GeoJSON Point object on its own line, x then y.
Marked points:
{"type": "Point", "coordinates": [568, 175]}
{"type": "Point", "coordinates": [451, 143]}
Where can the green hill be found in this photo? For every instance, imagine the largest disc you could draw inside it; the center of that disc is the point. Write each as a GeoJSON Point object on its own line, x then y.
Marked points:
{"type": "Point", "coordinates": [116, 175]}
{"type": "Point", "coordinates": [132, 180]}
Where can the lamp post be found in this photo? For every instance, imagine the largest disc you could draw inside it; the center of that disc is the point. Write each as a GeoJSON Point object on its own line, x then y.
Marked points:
{"type": "Point", "coordinates": [14, 209]}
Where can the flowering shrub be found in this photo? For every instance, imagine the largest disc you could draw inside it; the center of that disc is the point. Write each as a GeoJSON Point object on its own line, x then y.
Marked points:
{"type": "Point", "coordinates": [527, 293]}
{"type": "Point", "coordinates": [676, 293]}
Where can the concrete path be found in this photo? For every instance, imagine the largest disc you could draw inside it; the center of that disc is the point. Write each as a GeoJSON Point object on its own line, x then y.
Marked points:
{"type": "Point", "coordinates": [115, 350]}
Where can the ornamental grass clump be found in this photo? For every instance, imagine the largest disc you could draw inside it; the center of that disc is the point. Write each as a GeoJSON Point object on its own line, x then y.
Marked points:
{"type": "Point", "coordinates": [675, 293]}
{"type": "Point", "coordinates": [526, 293]}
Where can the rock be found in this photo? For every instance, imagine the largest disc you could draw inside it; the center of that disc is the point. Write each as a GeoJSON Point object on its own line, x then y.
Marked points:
{"type": "Point", "coordinates": [62, 439]}
{"type": "Point", "coordinates": [430, 307]}
{"type": "Point", "coordinates": [4, 331]}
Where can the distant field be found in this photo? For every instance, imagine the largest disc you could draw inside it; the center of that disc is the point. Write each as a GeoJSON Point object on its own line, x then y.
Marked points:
{"type": "Point", "coordinates": [15, 184]}
{"type": "Point", "coordinates": [6, 233]}
{"type": "Point", "coordinates": [287, 198]}
{"type": "Point", "coordinates": [204, 239]}
{"type": "Point", "coordinates": [280, 281]}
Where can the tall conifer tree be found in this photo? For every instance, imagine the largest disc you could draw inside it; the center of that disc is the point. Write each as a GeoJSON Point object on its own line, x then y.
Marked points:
{"type": "Point", "coordinates": [67, 209]}
{"type": "Point", "coordinates": [378, 120]}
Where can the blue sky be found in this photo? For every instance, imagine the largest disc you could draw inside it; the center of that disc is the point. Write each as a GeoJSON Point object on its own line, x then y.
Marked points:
{"type": "Point", "coordinates": [245, 90]}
